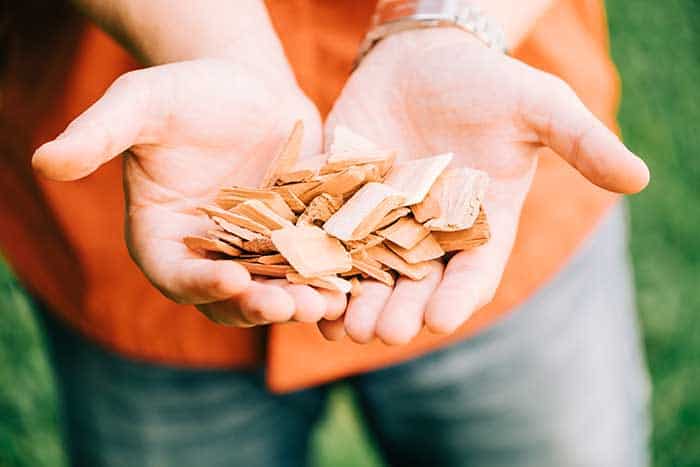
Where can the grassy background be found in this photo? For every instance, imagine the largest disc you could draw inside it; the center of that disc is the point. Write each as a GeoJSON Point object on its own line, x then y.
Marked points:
{"type": "Point", "coordinates": [656, 47]}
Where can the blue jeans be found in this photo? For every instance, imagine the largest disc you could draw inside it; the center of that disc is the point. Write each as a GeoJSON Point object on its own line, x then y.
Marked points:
{"type": "Point", "coordinates": [559, 382]}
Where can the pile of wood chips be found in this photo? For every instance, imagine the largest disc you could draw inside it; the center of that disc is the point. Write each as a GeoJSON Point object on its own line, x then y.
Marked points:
{"type": "Point", "coordinates": [329, 219]}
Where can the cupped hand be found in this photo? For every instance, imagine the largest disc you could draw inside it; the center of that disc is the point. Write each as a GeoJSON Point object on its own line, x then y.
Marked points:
{"type": "Point", "coordinates": [186, 130]}
{"type": "Point", "coordinates": [428, 92]}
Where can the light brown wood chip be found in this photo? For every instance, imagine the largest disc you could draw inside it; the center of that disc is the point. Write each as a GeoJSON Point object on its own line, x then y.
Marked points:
{"type": "Point", "coordinates": [320, 209]}
{"type": "Point", "coordinates": [414, 178]}
{"type": "Point", "coordinates": [359, 216]}
{"type": "Point", "coordinates": [231, 197]}
{"type": "Point", "coordinates": [337, 184]}
{"type": "Point", "coordinates": [285, 160]}
{"type": "Point", "coordinates": [368, 265]}
{"type": "Point", "coordinates": [298, 188]}
{"type": "Point", "coordinates": [292, 200]}
{"type": "Point", "coordinates": [393, 216]}
{"type": "Point", "coordinates": [355, 287]}
{"type": "Point", "coordinates": [240, 232]}
{"type": "Point", "coordinates": [258, 212]}
{"type": "Point", "coordinates": [405, 232]}
{"type": "Point", "coordinates": [226, 237]}
{"type": "Point", "coordinates": [272, 259]}
{"type": "Point", "coordinates": [325, 282]}
{"type": "Point", "coordinates": [195, 242]}
{"type": "Point", "coordinates": [368, 242]}
{"type": "Point", "coordinates": [235, 219]}
{"type": "Point", "coordinates": [311, 251]}
{"type": "Point", "coordinates": [476, 235]}
{"type": "Point", "coordinates": [260, 245]}
{"type": "Point", "coordinates": [425, 250]}
{"type": "Point", "coordinates": [454, 201]}
{"type": "Point", "coordinates": [415, 271]}
{"type": "Point", "coordinates": [270, 270]}
{"type": "Point", "coordinates": [380, 161]}
{"type": "Point", "coordinates": [303, 170]}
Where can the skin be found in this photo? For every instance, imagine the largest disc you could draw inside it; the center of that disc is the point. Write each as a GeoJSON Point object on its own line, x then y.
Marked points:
{"type": "Point", "coordinates": [192, 124]}
{"type": "Point", "coordinates": [213, 117]}
{"type": "Point", "coordinates": [428, 92]}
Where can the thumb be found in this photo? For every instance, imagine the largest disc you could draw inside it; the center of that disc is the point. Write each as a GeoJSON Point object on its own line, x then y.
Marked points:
{"type": "Point", "coordinates": [563, 123]}
{"type": "Point", "coordinates": [109, 127]}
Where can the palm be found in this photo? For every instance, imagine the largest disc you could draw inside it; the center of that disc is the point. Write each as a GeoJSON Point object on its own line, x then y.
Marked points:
{"type": "Point", "coordinates": [455, 95]}
{"type": "Point", "coordinates": [191, 128]}
{"type": "Point", "coordinates": [213, 136]}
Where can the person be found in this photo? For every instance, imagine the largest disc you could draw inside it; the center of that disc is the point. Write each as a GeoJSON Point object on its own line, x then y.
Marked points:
{"type": "Point", "coordinates": [521, 352]}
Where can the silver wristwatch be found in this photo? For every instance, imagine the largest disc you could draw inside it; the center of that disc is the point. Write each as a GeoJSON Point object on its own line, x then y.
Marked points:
{"type": "Point", "coordinates": [392, 16]}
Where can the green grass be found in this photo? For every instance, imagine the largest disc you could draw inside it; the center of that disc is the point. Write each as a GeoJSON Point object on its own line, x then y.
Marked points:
{"type": "Point", "coordinates": [656, 47]}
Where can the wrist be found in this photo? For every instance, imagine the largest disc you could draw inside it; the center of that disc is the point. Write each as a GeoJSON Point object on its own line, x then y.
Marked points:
{"type": "Point", "coordinates": [394, 16]}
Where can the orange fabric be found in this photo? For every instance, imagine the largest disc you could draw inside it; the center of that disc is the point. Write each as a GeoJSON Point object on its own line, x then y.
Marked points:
{"type": "Point", "coordinates": [118, 308]}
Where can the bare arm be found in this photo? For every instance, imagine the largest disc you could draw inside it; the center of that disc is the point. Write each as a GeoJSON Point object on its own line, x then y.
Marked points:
{"type": "Point", "coordinates": [517, 18]}
{"type": "Point", "coordinates": [163, 31]}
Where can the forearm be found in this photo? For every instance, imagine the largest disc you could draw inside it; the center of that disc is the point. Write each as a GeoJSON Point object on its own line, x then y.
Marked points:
{"type": "Point", "coordinates": [163, 31]}
{"type": "Point", "coordinates": [516, 17]}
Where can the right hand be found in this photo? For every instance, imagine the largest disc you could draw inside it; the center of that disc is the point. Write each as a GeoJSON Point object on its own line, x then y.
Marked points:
{"type": "Point", "coordinates": [188, 129]}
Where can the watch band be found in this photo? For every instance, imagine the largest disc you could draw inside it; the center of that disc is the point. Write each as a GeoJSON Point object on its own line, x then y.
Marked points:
{"type": "Point", "coordinates": [392, 16]}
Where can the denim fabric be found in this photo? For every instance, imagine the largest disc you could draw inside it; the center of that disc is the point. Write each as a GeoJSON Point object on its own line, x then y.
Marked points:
{"type": "Point", "coordinates": [559, 382]}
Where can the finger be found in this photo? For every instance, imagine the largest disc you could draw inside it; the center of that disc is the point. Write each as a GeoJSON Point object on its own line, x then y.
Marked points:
{"type": "Point", "coordinates": [363, 311]}
{"type": "Point", "coordinates": [471, 278]}
{"type": "Point", "coordinates": [332, 330]}
{"type": "Point", "coordinates": [402, 317]}
{"type": "Point", "coordinates": [258, 304]}
{"type": "Point", "coordinates": [309, 304]}
{"type": "Point", "coordinates": [335, 303]}
{"type": "Point", "coordinates": [194, 281]}
{"type": "Point", "coordinates": [563, 123]}
{"type": "Point", "coordinates": [109, 127]}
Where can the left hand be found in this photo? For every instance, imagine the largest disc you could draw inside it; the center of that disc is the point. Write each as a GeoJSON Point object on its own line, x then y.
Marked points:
{"type": "Point", "coordinates": [427, 92]}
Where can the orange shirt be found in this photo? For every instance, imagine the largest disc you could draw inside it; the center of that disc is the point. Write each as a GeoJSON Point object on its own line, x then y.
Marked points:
{"type": "Point", "coordinates": [65, 239]}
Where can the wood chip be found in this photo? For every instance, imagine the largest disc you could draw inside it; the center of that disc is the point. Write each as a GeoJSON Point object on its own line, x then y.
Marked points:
{"type": "Point", "coordinates": [355, 287]}
{"type": "Point", "coordinates": [349, 147]}
{"type": "Point", "coordinates": [260, 245]}
{"type": "Point", "coordinates": [292, 200]}
{"type": "Point", "coordinates": [298, 188]}
{"type": "Point", "coordinates": [339, 184]}
{"type": "Point", "coordinates": [454, 201]}
{"type": "Point", "coordinates": [320, 209]}
{"type": "Point", "coordinates": [352, 272]}
{"type": "Point", "coordinates": [415, 271]}
{"type": "Point", "coordinates": [405, 232]}
{"type": "Point", "coordinates": [326, 282]}
{"type": "Point", "coordinates": [195, 242]}
{"type": "Point", "coordinates": [235, 219]}
{"type": "Point", "coordinates": [425, 250]}
{"type": "Point", "coordinates": [240, 232]}
{"type": "Point", "coordinates": [380, 161]}
{"type": "Point", "coordinates": [476, 235]}
{"type": "Point", "coordinates": [231, 197]}
{"type": "Point", "coordinates": [368, 242]}
{"type": "Point", "coordinates": [414, 178]}
{"type": "Point", "coordinates": [285, 160]}
{"type": "Point", "coordinates": [258, 211]}
{"type": "Point", "coordinates": [226, 237]}
{"type": "Point", "coordinates": [368, 265]}
{"type": "Point", "coordinates": [303, 170]}
{"type": "Point", "coordinates": [270, 270]}
{"type": "Point", "coordinates": [359, 216]}
{"type": "Point", "coordinates": [272, 259]}
{"type": "Point", "coordinates": [311, 251]}
{"type": "Point", "coordinates": [393, 216]}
